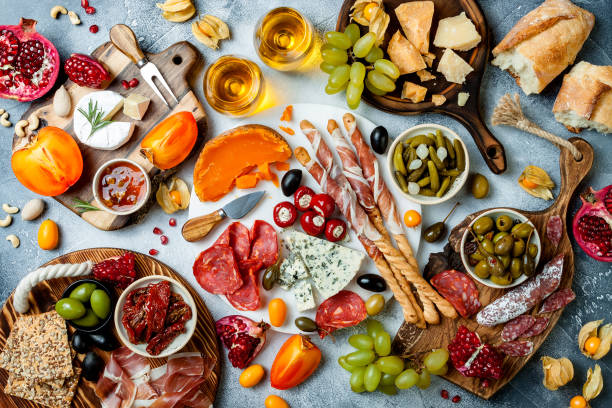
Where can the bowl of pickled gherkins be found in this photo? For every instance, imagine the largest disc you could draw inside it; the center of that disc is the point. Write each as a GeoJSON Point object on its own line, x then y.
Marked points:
{"type": "Point", "coordinates": [501, 248]}
{"type": "Point", "coordinates": [429, 163]}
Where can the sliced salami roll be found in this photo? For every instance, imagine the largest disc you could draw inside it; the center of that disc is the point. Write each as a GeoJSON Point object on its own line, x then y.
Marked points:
{"type": "Point", "coordinates": [516, 327]}
{"type": "Point", "coordinates": [264, 243]}
{"type": "Point", "coordinates": [247, 297]}
{"type": "Point", "coordinates": [344, 309]}
{"type": "Point", "coordinates": [216, 270]}
{"type": "Point", "coordinates": [236, 236]}
{"type": "Point", "coordinates": [516, 348]}
{"type": "Point", "coordinates": [459, 289]}
{"type": "Point", "coordinates": [554, 229]}
{"type": "Point", "coordinates": [557, 300]}
{"type": "Point", "coordinates": [540, 324]}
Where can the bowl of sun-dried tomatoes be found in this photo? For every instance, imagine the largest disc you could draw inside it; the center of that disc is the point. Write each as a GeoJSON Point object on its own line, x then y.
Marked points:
{"type": "Point", "coordinates": [155, 316]}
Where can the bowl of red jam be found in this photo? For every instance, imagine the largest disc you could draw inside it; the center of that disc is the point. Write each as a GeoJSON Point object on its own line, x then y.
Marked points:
{"type": "Point", "coordinates": [121, 186]}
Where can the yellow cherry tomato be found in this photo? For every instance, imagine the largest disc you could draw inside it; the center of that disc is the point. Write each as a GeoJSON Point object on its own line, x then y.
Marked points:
{"type": "Point", "coordinates": [412, 218]}
{"type": "Point", "coordinates": [277, 310]}
{"type": "Point", "coordinates": [251, 376]}
{"type": "Point", "coordinates": [274, 401]}
{"type": "Point", "coordinates": [592, 344]}
{"type": "Point", "coordinates": [369, 10]}
{"type": "Point", "coordinates": [578, 402]}
{"type": "Point", "coordinates": [48, 235]}
{"type": "Point", "coordinates": [176, 197]}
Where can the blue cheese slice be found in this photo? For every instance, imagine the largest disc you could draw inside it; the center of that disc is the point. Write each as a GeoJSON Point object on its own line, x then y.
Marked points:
{"type": "Point", "coordinates": [304, 299]}
{"type": "Point", "coordinates": [331, 266]}
{"type": "Point", "coordinates": [292, 269]}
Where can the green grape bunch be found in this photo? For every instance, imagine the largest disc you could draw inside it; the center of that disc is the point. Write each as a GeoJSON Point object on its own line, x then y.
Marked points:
{"type": "Point", "coordinates": [341, 55]}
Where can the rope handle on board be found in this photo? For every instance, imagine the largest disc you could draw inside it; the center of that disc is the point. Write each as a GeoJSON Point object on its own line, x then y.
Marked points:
{"type": "Point", "coordinates": [508, 112]}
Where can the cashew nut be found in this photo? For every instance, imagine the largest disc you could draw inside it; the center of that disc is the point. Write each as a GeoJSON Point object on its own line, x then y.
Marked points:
{"type": "Point", "coordinates": [4, 120]}
{"type": "Point", "coordinates": [74, 19]}
{"type": "Point", "coordinates": [34, 122]}
{"type": "Point", "coordinates": [58, 9]}
{"type": "Point", "coordinates": [10, 209]}
{"type": "Point", "coordinates": [19, 128]}
{"type": "Point", "coordinates": [6, 221]}
{"type": "Point", "coordinates": [13, 240]}
{"type": "Point", "coordinates": [2, 111]}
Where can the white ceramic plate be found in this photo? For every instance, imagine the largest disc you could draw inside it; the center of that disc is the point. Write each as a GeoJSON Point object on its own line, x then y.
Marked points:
{"type": "Point", "coordinates": [318, 115]}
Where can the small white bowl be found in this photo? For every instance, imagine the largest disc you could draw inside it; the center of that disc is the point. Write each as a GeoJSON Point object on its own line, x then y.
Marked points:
{"type": "Point", "coordinates": [494, 213]}
{"type": "Point", "coordinates": [96, 180]}
{"type": "Point", "coordinates": [424, 129]}
{"type": "Point", "coordinates": [180, 341]}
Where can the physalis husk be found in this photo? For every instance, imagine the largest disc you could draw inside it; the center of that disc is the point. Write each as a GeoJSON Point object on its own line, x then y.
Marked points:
{"type": "Point", "coordinates": [210, 30]}
{"type": "Point", "coordinates": [594, 383]}
{"type": "Point", "coordinates": [536, 182]}
{"type": "Point", "coordinates": [174, 196]}
{"type": "Point", "coordinates": [371, 13]}
{"type": "Point", "coordinates": [592, 329]}
{"type": "Point", "coordinates": [177, 11]}
{"type": "Point", "coordinates": [557, 372]}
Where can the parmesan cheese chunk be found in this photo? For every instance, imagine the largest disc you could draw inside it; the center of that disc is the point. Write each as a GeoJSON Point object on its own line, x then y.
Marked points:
{"type": "Point", "coordinates": [404, 54]}
{"type": "Point", "coordinates": [413, 92]}
{"type": "Point", "coordinates": [438, 99]}
{"type": "Point", "coordinates": [425, 75]}
{"type": "Point", "coordinates": [462, 98]}
{"type": "Point", "coordinates": [135, 106]}
{"type": "Point", "coordinates": [415, 18]}
{"type": "Point", "coordinates": [453, 67]}
{"type": "Point", "coordinates": [458, 33]}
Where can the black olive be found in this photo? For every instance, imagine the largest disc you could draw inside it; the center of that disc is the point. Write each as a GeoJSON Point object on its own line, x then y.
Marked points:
{"type": "Point", "coordinates": [379, 138]}
{"type": "Point", "coordinates": [104, 341]}
{"type": "Point", "coordinates": [92, 365]}
{"type": "Point", "coordinates": [372, 282]}
{"type": "Point", "coordinates": [80, 342]}
{"type": "Point", "coordinates": [291, 181]}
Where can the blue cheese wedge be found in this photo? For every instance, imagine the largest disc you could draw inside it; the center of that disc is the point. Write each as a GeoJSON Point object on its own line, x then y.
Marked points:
{"type": "Point", "coordinates": [292, 269]}
{"type": "Point", "coordinates": [304, 299]}
{"type": "Point", "coordinates": [331, 266]}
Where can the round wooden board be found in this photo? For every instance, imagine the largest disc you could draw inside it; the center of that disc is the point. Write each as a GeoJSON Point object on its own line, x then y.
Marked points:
{"type": "Point", "coordinates": [45, 294]}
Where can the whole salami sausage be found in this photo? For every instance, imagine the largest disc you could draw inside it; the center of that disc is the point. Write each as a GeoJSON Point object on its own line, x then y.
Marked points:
{"type": "Point", "coordinates": [516, 348]}
{"type": "Point", "coordinates": [247, 297]}
{"type": "Point", "coordinates": [516, 327]}
{"type": "Point", "coordinates": [344, 309]}
{"type": "Point", "coordinates": [458, 289]}
{"type": "Point", "coordinates": [236, 236]}
{"type": "Point", "coordinates": [264, 243]}
{"type": "Point", "coordinates": [557, 300]}
{"type": "Point", "coordinates": [540, 324]}
{"type": "Point", "coordinates": [216, 271]}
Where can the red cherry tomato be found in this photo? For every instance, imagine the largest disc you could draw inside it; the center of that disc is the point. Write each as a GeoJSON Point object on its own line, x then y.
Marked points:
{"type": "Point", "coordinates": [335, 230]}
{"type": "Point", "coordinates": [303, 198]}
{"type": "Point", "coordinates": [284, 214]}
{"type": "Point", "coordinates": [323, 204]}
{"type": "Point", "coordinates": [312, 223]}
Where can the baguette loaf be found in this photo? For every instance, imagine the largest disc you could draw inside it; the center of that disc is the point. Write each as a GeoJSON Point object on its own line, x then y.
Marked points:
{"type": "Point", "coordinates": [585, 98]}
{"type": "Point", "coordinates": [543, 43]}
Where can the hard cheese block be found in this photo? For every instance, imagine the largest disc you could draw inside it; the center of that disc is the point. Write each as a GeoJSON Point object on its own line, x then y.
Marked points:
{"type": "Point", "coordinates": [458, 33]}
{"type": "Point", "coordinates": [292, 269]}
{"type": "Point", "coordinates": [331, 266]}
{"type": "Point", "coordinates": [304, 298]}
{"type": "Point", "coordinates": [453, 67]}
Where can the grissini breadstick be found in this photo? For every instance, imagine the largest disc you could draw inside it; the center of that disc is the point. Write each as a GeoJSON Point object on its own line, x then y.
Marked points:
{"type": "Point", "coordinates": [366, 233]}
{"type": "Point", "coordinates": [383, 197]}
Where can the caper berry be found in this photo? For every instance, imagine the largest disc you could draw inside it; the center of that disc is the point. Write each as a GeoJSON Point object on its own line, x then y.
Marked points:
{"type": "Point", "coordinates": [533, 250]}
{"type": "Point", "coordinates": [270, 277]}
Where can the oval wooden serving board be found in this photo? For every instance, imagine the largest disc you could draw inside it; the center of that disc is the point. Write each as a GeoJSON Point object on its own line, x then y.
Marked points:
{"type": "Point", "coordinates": [45, 294]}
{"type": "Point", "coordinates": [175, 63]}
{"type": "Point", "coordinates": [413, 341]}
{"type": "Point", "coordinates": [469, 115]}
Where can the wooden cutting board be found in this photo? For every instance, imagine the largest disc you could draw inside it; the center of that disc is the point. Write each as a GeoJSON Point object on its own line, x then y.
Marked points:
{"type": "Point", "coordinates": [469, 115]}
{"type": "Point", "coordinates": [416, 342]}
{"type": "Point", "coordinates": [175, 63]}
{"type": "Point", "coordinates": [45, 294]}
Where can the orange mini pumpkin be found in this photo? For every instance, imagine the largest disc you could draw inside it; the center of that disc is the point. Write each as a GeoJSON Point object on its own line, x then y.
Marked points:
{"type": "Point", "coordinates": [171, 141]}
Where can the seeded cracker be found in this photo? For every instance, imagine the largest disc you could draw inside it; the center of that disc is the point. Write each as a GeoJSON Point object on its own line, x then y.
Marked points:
{"type": "Point", "coordinates": [43, 393]}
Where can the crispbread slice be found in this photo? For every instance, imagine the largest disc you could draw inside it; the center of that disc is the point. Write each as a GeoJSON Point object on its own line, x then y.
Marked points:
{"type": "Point", "coordinates": [43, 393]}
{"type": "Point", "coordinates": [7, 355]}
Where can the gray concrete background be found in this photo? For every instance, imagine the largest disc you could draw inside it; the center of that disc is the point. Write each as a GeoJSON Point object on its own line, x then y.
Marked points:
{"type": "Point", "coordinates": [329, 385]}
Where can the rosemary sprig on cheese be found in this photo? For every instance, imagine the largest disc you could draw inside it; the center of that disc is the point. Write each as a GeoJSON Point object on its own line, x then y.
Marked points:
{"type": "Point", "coordinates": [95, 117]}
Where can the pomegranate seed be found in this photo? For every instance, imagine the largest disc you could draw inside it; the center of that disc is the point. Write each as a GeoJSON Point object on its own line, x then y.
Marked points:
{"type": "Point", "coordinates": [157, 231]}
{"type": "Point", "coordinates": [456, 399]}
{"type": "Point", "coordinates": [84, 3]}
{"type": "Point", "coordinates": [485, 383]}
{"type": "Point", "coordinates": [164, 239]}
{"type": "Point", "coordinates": [93, 28]}
{"type": "Point", "coordinates": [133, 82]}
{"type": "Point", "coordinates": [90, 10]}
{"type": "Point", "coordinates": [153, 252]}
{"type": "Point", "coordinates": [172, 222]}
{"type": "Point", "coordinates": [444, 394]}
{"type": "Point", "coordinates": [125, 84]}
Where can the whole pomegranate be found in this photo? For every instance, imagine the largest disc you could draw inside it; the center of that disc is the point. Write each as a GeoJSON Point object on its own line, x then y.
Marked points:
{"type": "Point", "coordinates": [117, 270]}
{"type": "Point", "coordinates": [243, 337]}
{"type": "Point", "coordinates": [85, 71]}
{"type": "Point", "coordinates": [29, 63]}
{"type": "Point", "coordinates": [472, 358]}
{"type": "Point", "coordinates": [592, 225]}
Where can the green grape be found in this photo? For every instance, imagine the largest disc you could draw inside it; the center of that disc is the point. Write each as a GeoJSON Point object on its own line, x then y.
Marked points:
{"type": "Point", "coordinates": [407, 378]}
{"type": "Point", "coordinates": [360, 358]}
{"type": "Point", "coordinates": [361, 341]}
{"type": "Point", "coordinates": [436, 359]}
{"type": "Point", "coordinates": [373, 89]}
{"type": "Point", "coordinates": [390, 365]}
{"type": "Point", "coordinates": [382, 344]}
{"type": "Point", "coordinates": [356, 380]}
{"type": "Point", "coordinates": [441, 371]}
{"type": "Point", "coordinates": [334, 56]}
{"type": "Point", "coordinates": [374, 327]}
{"type": "Point", "coordinates": [348, 367]}
{"type": "Point", "coordinates": [364, 45]}
{"type": "Point", "coordinates": [371, 377]}
{"type": "Point", "coordinates": [352, 31]}
{"type": "Point", "coordinates": [328, 68]}
{"type": "Point", "coordinates": [358, 72]}
{"type": "Point", "coordinates": [381, 81]}
{"type": "Point", "coordinates": [338, 40]}
{"type": "Point", "coordinates": [387, 379]}
{"type": "Point", "coordinates": [388, 389]}
{"type": "Point", "coordinates": [387, 67]}
{"type": "Point", "coordinates": [358, 389]}
{"type": "Point", "coordinates": [424, 379]}
{"type": "Point", "coordinates": [330, 90]}
{"type": "Point", "coordinates": [339, 76]}
{"type": "Point", "coordinates": [375, 53]}
{"type": "Point", "coordinates": [353, 94]}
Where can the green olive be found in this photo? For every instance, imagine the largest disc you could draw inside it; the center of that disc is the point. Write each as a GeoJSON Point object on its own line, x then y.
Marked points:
{"type": "Point", "coordinates": [518, 248]}
{"type": "Point", "coordinates": [499, 236]}
{"type": "Point", "coordinates": [483, 225]}
{"type": "Point", "coordinates": [375, 304]}
{"type": "Point", "coordinates": [533, 250]}
{"type": "Point", "coordinates": [89, 320]}
{"type": "Point", "coordinates": [477, 256]}
{"type": "Point", "coordinates": [82, 293]}
{"type": "Point", "coordinates": [482, 269]}
{"type": "Point", "coordinates": [70, 308]}
{"type": "Point", "coordinates": [480, 186]}
{"type": "Point", "coordinates": [100, 303]}
{"type": "Point", "coordinates": [505, 260]}
{"type": "Point", "coordinates": [488, 245]}
{"type": "Point", "coordinates": [504, 245]}
{"type": "Point", "coordinates": [522, 230]}
{"type": "Point", "coordinates": [505, 279]}
{"type": "Point", "coordinates": [503, 223]}
{"type": "Point", "coordinates": [305, 324]}
{"type": "Point", "coordinates": [528, 265]}
{"type": "Point", "coordinates": [270, 277]}
{"type": "Point", "coordinates": [516, 268]}
{"type": "Point", "coordinates": [495, 265]}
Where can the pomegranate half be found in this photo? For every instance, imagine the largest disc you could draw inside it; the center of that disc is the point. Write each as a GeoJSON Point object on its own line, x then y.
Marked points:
{"type": "Point", "coordinates": [592, 225]}
{"type": "Point", "coordinates": [29, 63]}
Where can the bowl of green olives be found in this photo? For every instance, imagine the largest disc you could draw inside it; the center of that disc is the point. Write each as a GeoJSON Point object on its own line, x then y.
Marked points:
{"type": "Point", "coordinates": [87, 305]}
{"type": "Point", "coordinates": [501, 248]}
{"type": "Point", "coordinates": [429, 164]}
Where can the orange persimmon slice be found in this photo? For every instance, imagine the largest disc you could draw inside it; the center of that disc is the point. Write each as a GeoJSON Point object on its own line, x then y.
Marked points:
{"type": "Point", "coordinates": [282, 166]}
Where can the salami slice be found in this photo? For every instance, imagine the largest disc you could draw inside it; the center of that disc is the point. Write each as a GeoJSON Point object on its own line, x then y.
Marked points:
{"type": "Point", "coordinates": [541, 323]}
{"type": "Point", "coordinates": [557, 300]}
{"type": "Point", "coordinates": [247, 297]}
{"type": "Point", "coordinates": [516, 348]}
{"type": "Point", "coordinates": [516, 327]}
{"type": "Point", "coordinates": [216, 271]}
{"type": "Point", "coordinates": [554, 229]}
{"type": "Point", "coordinates": [459, 289]}
{"type": "Point", "coordinates": [236, 236]}
{"type": "Point", "coordinates": [264, 243]}
{"type": "Point", "coordinates": [344, 309]}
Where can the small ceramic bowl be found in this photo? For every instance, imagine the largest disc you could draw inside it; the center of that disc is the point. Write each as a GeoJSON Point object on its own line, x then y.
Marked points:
{"type": "Point", "coordinates": [104, 323]}
{"type": "Point", "coordinates": [141, 202]}
{"type": "Point", "coordinates": [180, 341]}
{"type": "Point", "coordinates": [494, 213]}
{"type": "Point", "coordinates": [425, 129]}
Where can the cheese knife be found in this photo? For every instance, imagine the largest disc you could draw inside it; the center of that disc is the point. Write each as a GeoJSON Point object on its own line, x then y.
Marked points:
{"type": "Point", "coordinates": [197, 228]}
